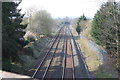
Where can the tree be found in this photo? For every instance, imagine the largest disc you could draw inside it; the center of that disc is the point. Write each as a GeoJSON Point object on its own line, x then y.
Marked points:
{"type": "Point", "coordinates": [12, 33]}
{"type": "Point", "coordinates": [78, 27]}
{"type": "Point", "coordinates": [82, 18]}
{"type": "Point", "coordinates": [41, 23]}
{"type": "Point", "coordinates": [105, 29]}
{"type": "Point", "coordinates": [30, 11]}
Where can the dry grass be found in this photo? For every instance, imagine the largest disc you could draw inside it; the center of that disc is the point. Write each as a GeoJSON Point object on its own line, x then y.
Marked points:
{"type": "Point", "coordinates": [90, 56]}
{"type": "Point", "coordinates": [93, 62]}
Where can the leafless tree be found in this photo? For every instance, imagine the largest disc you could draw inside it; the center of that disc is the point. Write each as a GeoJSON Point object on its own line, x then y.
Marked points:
{"type": "Point", "coordinates": [41, 23]}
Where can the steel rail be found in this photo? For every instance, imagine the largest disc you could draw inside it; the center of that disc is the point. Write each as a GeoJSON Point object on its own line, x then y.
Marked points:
{"type": "Point", "coordinates": [51, 59]}
{"type": "Point", "coordinates": [78, 49]}
{"type": "Point", "coordinates": [46, 54]}
{"type": "Point", "coordinates": [72, 57]}
{"type": "Point", "coordinates": [65, 51]}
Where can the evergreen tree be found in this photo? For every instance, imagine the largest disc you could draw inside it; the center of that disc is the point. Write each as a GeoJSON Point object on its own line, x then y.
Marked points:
{"type": "Point", "coordinates": [105, 29]}
{"type": "Point", "coordinates": [78, 28]}
{"type": "Point", "coordinates": [12, 33]}
{"type": "Point", "coordinates": [83, 17]}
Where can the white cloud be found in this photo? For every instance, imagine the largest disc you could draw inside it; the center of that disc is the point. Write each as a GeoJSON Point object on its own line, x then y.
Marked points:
{"type": "Point", "coordinates": [62, 8]}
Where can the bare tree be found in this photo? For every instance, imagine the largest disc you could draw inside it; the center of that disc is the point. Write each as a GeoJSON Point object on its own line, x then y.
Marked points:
{"type": "Point", "coordinates": [41, 23]}
{"type": "Point", "coordinates": [31, 10]}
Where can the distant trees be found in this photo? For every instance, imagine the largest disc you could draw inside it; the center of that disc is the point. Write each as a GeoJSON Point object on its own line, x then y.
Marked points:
{"type": "Point", "coordinates": [78, 26]}
{"type": "Point", "coordinates": [12, 33]}
{"type": "Point", "coordinates": [41, 23]}
{"type": "Point", "coordinates": [82, 18]}
{"type": "Point", "coordinates": [106, 29]}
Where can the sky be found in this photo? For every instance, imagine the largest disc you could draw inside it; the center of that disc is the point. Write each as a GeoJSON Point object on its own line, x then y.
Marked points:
{"type": "Point", "coordinates": [63, 8]}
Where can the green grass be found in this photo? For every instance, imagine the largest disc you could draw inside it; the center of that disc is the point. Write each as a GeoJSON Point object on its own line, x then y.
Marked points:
{"type": "Point", "coordinates": [17, 69]}
{"type": "Point", "coordinates": [101, 73]}
{"type": "Point", "coordinates": [28, 57]}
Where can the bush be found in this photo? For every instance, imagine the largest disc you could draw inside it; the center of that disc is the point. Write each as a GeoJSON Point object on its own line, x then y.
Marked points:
{"type": "Point", "coordinates": [30, 38]}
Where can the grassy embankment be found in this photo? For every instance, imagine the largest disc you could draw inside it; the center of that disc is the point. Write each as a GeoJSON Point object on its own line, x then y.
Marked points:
{"type": "Point", "coordinates": [29, 55]}
{"type": "Point", "coordinates": [31, 52]}
{"type": "Point", "coordinates": [92, 59]}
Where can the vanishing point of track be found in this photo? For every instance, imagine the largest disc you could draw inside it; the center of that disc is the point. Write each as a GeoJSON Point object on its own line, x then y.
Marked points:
{"type": "Point", "coordinates": [63, 59]}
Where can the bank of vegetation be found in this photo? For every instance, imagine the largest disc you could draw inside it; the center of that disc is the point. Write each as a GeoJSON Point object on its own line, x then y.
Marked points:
{"type": "Point", "coordinates": [106, 30]}
{"type": "Point", "coordinates": [23, 38]}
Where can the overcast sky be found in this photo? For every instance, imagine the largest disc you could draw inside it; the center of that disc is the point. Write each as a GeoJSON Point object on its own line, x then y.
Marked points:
{"type": "Point", "coordinates": [63, 8]}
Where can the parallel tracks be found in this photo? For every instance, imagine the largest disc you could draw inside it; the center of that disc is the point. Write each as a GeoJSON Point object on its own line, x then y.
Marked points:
{"type": "Point", "coordinates": [67, 61]}
{"type": "Point", "coordinates": [68, 71]}
{"type": "Point", "coordinates": [51, 58]}
{"type": "Point", "coordinates": [33, 76]}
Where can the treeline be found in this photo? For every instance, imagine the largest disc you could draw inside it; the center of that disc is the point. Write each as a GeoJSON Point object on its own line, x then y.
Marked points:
{"type": "Point", "coordinates": [12, 34]}
{"type": "Point", "coordinates": [15, 48]}
{"type": "Point", "coordinates": [106, 29]}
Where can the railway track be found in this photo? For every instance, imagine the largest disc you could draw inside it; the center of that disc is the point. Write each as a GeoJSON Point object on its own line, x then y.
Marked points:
{"type": "Point", "coordinates": [68, 61]}
{"type": "Point", "coordinates": [60, 59]}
